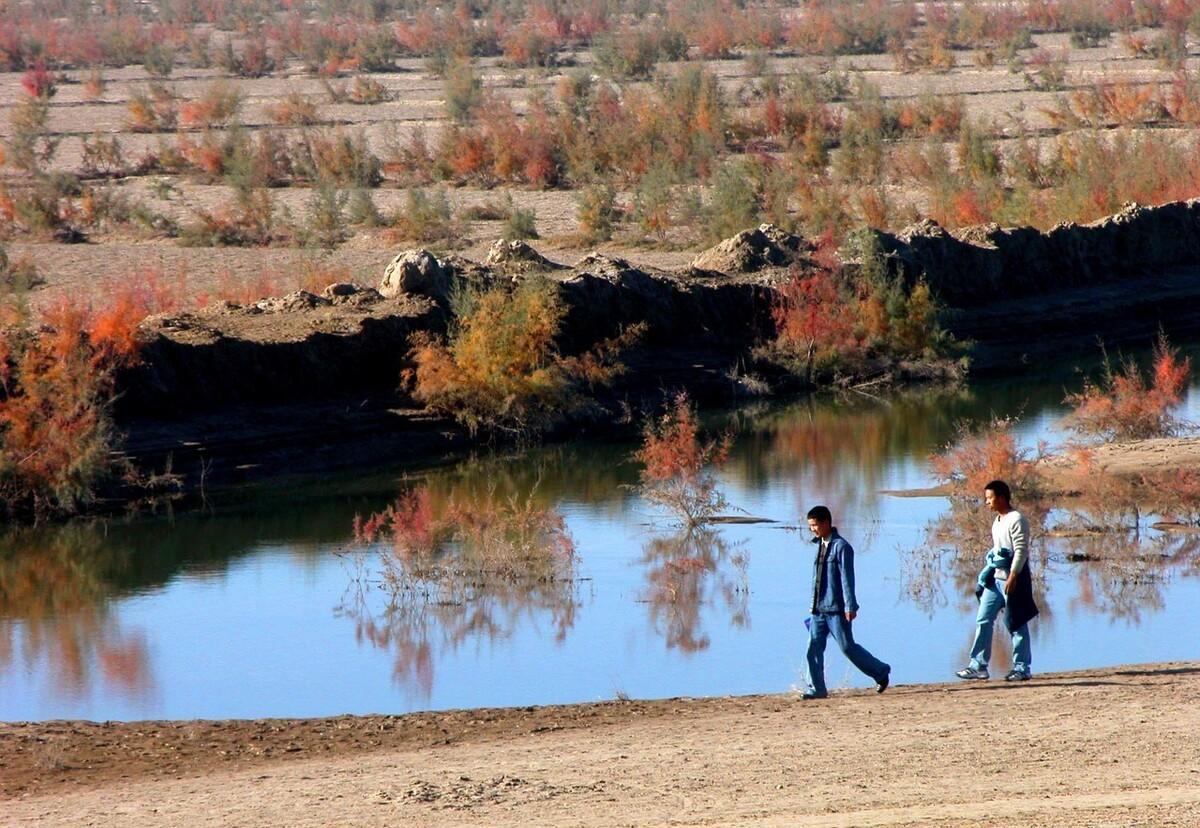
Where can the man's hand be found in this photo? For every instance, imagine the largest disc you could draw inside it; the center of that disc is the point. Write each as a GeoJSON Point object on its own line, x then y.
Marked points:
{"type": "Point", "coordinates": [1008, 584]}
{"type": "Point", "coordinates": [850, 616]}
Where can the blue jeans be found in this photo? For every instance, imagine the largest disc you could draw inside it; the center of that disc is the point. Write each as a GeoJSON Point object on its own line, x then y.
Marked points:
{"type": "Point", "coordinates": [821, 625]}
{"type": "Point", "coordinates": [990, 605]}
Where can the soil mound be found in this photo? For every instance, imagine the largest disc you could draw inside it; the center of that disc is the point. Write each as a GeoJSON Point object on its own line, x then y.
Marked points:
{"type": "Point", "coordinates": [419, 273]}
{"type": "Point", "coordinates": [765, 246]}
{"type": "Point", "coordinates": [297, 347]}
{"type": "Point", "coordinates": [518, 257]}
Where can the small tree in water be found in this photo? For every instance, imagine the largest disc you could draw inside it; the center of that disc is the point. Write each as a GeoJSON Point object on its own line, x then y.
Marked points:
{"type": "Point", "coordinates": [677, 465]}
{"type": "Point", "coordinates": [1127, 405]}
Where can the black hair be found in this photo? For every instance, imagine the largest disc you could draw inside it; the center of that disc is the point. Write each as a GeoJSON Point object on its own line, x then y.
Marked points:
{"type": "Point", "coordinates": [820, 514]}
{"type": "Point", "coordinates": [1000, 489]}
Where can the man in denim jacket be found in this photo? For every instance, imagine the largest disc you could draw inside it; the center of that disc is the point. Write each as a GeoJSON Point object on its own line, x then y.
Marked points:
{"type": "Point", "coordinates": [834, 607]}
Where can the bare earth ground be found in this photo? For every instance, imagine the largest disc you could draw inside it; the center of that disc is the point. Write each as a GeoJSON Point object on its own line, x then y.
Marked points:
{"type": "Point", "coordinates": [1108, 747]}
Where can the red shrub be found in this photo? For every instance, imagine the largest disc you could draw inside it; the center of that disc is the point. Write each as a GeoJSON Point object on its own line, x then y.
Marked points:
{"type": "Point", "coordinates": [38, 83]}
{"type": "Point", "coordinates": [676, 464]}
{"type": "Point", "coordinates": [815, 318]}
{"type": "Point", "coordinates": [56, 385]}
{"type": "Point", "coordinates": [1127, 405]}
{"type": "Point", "coordinates": [976, 458]}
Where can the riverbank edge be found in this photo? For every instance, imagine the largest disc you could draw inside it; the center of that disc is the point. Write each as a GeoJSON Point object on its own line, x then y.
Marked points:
{"type": "Point", "coordinates": [307, 384]}
{"type": "Point", "coordinates": [46, 758]}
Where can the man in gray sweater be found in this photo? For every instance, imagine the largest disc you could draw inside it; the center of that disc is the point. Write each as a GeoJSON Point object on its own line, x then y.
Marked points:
{"type": "Point", "coordinates": [1004, 584]}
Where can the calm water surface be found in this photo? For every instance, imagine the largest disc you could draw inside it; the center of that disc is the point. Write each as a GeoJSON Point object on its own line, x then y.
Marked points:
{"type": "Point", "coordinates": [251, 611]}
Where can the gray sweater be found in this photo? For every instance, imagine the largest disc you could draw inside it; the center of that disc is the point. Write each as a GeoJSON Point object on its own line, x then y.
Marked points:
{"type": "Point", "coordinates": [1011, 531]}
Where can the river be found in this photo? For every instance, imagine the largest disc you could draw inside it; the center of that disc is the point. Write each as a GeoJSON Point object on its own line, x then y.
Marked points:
{"type": "Point", "coordinates": [264, 606]}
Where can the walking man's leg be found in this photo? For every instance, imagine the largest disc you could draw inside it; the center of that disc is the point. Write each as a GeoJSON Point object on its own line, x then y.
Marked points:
{"type": "Point", "coordinates": [1022, 650]}
{"type": "Point", "coordinates": [843, 633]}
{"type": "Point", "coordinates": [818, 632]}
{"type": "Point", "coordinates": [990, 605]}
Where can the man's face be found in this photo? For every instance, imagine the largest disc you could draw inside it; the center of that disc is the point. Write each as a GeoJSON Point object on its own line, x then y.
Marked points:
{"type": "Point", "coordinates": [819, 528]}
{"type": "Point", "coordinates": [993, 501]}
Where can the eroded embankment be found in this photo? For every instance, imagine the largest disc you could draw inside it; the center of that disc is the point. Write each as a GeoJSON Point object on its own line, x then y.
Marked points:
{"type": "Point", "coordinates": [288, 383]}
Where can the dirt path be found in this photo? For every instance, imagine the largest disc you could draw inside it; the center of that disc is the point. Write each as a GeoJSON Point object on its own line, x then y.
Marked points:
{"type": "Point", "coordinates": [1109, 747]}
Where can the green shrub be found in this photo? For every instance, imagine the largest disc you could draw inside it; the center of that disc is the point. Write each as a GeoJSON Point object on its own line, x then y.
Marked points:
{"type": "Point", "coordinates": [652, 201]}
{"type": "Point", "coordinates": [426, 217]}
{"type": "Point", "coordinates": [326, 225]}
{"type": "Point", "coordinates": [361, 209]}
{"type": "Point", "coordinates": [500, 372]}
{"type": "Point", "coordinates": [732, 203]}
{"type": "Point", "coordinates": [597, 212]}
{"type": "Point", "coordinates": [464, 91]}
{"type": "Point", "coordinates": [520, 225]}
{"type": "Point", "coordinates": [30, 145]}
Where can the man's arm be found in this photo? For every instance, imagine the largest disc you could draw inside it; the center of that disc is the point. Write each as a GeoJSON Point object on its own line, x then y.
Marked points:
{"type": "Point", "coordinates": [847, 570]}
{"type": "Point", "coordinates": [1019, 535]}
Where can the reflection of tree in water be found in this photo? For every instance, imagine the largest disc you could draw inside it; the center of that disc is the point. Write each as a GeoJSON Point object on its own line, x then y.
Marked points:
{"type": "Point", "coordinates": [451, 571]}
{"type": "Point", "coordinates": [599, 475]}
{"type": "Point", "coordinates": [1125, 572]}
{"type": "Point", "coordinates": [840, 448]}
{"type": "Point", "coordinates": [55, 589]}
{"type": "Point", "coordinates": [688, 571]}
{"type": "Point", "coordinates": [1120, 567]}
{"type": "Point", "coordinates": [953, 553]}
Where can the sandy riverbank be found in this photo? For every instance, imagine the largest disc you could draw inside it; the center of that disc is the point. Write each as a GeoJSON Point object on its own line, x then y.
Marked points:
{"type": "Point", "coordinates": [1111, 747]}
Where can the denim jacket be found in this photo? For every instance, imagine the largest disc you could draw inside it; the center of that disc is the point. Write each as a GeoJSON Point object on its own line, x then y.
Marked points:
{"type": "Point", "coordinates": [834, 592]}
{"type": "Point", "coordinates": [996, 559]}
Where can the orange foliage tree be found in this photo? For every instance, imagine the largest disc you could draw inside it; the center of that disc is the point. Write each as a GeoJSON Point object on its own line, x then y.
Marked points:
{"type": "Point", "coordinates": [676, 465]}
{"type": "Point", "coordinates": [1126, 404]}
{"type": "Point", "coordinates": [500, 369]}
{"type": "Point", "coordinates": [815, 318]}
{"type": "Point", "coordinates": [56, 387]}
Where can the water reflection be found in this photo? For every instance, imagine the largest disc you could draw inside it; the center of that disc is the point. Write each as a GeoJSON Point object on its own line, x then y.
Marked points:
{"type": "Point", "coordinates": [688, 571]}
{"type": "Point", "coordinates": [841, 447]}
{"type": "Point", "coordinates": [1124, 573]}
{"type": "Point", "coordinates": [448, 566]}
{"type": "Point", "coordinates": [1119, 565]}
{"type": "Point", "coordinates": [55, 610]}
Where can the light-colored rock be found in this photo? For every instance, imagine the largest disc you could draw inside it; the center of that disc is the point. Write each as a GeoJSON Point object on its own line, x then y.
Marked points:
{"type": "Point", "coordinates": [518, 257]}
{"type": "Point", "coordinates": [415, 272]}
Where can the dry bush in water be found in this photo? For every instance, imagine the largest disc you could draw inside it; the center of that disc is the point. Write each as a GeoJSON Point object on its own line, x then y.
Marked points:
{"type": "Point", "coordinates": [1126, 404]}
{"type": "Point", "coordinates": [677, 465]}
{"type": "Point", "coordinates": [500, 370]}
{"type": "Point", "coordinates": [510, 539]}
{"type": "Point", "coordinates": [452, 571]}
{"type": "Point", "coordinates": [977, 457]}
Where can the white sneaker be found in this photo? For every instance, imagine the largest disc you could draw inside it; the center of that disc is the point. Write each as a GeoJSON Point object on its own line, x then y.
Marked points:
{"type": "Point", "coordinates": [971, 674]}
